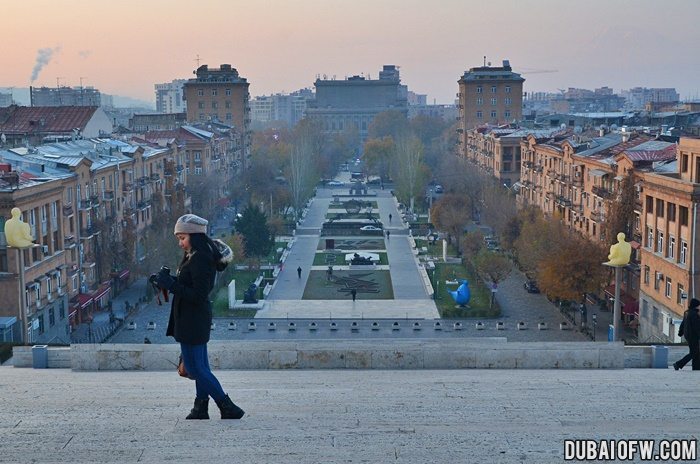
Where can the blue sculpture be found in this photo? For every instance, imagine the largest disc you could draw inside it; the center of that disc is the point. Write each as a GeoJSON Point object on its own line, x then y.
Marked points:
{"type": "Point", "coordinates": [462, 294]}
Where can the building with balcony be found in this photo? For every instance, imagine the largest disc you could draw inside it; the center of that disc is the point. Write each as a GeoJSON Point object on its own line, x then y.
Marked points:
{"type": "Point", "coordinates": [280, 109]}
{"type": "Point", "coordinates": [489, 95]}
{"type": "Point", "coordinates": [352, 103]}
{"type": "Point", "coordinates": [65, 96]}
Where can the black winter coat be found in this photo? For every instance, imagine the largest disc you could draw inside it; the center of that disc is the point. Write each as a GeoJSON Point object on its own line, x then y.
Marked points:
{"type": "Point", "coordinates": [191, 311]}
{"type": "Point", "coordinates": [690, 327]}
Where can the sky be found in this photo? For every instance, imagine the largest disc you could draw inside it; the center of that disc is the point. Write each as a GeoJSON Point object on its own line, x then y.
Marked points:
{"type": "Point", "coordinates": [124, 47]}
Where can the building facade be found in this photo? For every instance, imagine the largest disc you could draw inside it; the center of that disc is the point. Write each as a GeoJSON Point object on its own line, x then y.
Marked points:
{"type": "Point", "coordinates": [220, 95]}
{"type": "Point", "coordinates": [670, 244]}
{"type": "Point", "coordinates": [170, 97]}
{"type": "Point", "coordinates": [287, 109]}
{"type": "Point", "coordinates": [349, 104]}
{"type": "Point", "coordinates": [65, 96]}
{"type": "Point", "coordinates": [489, 95]}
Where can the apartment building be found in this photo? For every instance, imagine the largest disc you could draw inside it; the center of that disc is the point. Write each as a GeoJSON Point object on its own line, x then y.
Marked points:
{"type": "Point", "coordinates": [489, 95]}
{"type": "Point", "coordinates": [33, 281]}
{"type": "Point", "coordinates": [102, 188]}
{"type": "Point", "coordinates": [670, 243]}
{"type": "Point", "coordinates": [65, 96]}
{"type": "Point", "coordinates": [170, 97]}
{"type": "Point", "coordinates": [220, 95]}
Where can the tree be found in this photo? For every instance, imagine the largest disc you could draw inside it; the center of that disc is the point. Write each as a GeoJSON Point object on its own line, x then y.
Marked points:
{"type": "Point", "coordinates": [471, 244]}
{"type": "Point", "coordinates": [539, 237]}
{"type": "Point", "coordinates": [252, 225]}
{"type": "Point", "coordinates": [450, 214]}
{"type": "Point", "coordinates": [390, 123]}
{"type": "Point", "coordinates": [620, 215]}
{"type": "Point", "coordinates": [408, 165]}
{"type": "Point", "coordinates": [378, 156]}
{"type": "Point", "coordinates": [573, 268]}
{"type": "Point", "coordinates": [495, 267]}
{"type": "Point", "coordinates": [303, 173]}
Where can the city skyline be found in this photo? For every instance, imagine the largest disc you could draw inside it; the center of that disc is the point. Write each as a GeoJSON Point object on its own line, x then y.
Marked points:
{"type": "Point", "coordinates": [283, 46]}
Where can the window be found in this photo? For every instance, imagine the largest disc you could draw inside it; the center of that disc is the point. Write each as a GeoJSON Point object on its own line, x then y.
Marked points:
{"type": "Point", "coordinates": [228, 104]}
{"type": "Point", "coordinates": [200, 105]}
{"type": "Point", "coordinates": [657, 278]}
{"type": "Point", "coordinates": [659, 207]}
{"type": "Point", "coordinates": [41, 324]}
{"type": "Point", "coordinates": [650, 204]}
{"type": "Point", "coordinates": [507, 114]}
{"type": "Point", "coordinates": [213, 92]}
{"type": "Point", "coordinates": [200, 92]}
{"type": "Point", "coordinates": [197, 170]}
{"type": "Point", "coordinates": [493, 89]}
{"type": "Point", "coordinates": [508, 101]}
{"type": "Point", "coordinates": [659, 241]}
{"type": "Point", "coordinates": [493, 115]}
{"type": "Point", "coordinates": [655, 315]}
{"type": "Point", "coordinates": [479, 115]}
{"type": "Point", "coordinates": [52, 317]}
{"type": "Point", "coordinates": [494, 101]}
{"type": "Point", "coordinates": [671, 212]}
{"type": "Point", "coordinates": [214, 105]}
{"type": "Point", "coordinates": [507, 89]}
{"type": "Point", "coordinates": [668, 288]}
{"type": "Point", "coordinates": [684, 163]}
{"type": "Point", "coordinates": [683, 213]}
{"type": "Point", "coordinates": [228, 92]}
{"type": "Point", "coordinates": [645, 309]}
{"type": "Point", "coordinates": [479, 89]}
{"type": "Point", "coordinates": [479, 101]}
{"type": "Point", "coordinates": [646, 275]}
{"type": "Point", "coordinates": [229, 116]}
{"type": "Point", "coordinates": [679, 295]}
{"type": "Point", "coordinates": [671, 246]}
{"type": "Point", "coordinates": [684, 251]}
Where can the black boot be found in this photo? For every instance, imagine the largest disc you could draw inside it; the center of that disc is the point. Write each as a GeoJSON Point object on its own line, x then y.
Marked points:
{"type": "Point", "coordinates": [229, 410]}
{"type": "Point", "coordinates": [200, 410]}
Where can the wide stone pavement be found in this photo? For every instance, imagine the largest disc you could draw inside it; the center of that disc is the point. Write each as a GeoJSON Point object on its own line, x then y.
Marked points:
{"type": "Point", "coordinates": [328, 416]}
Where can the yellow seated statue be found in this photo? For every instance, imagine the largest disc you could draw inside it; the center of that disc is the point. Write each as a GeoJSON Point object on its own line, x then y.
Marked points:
{"type": "Point", "coordinates": [620, 252]}
{"type": "Point", "coordinates": [17, 232]}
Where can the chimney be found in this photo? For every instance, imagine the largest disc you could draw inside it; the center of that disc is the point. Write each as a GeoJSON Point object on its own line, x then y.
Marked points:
{"type": "Point", "coordinates": [625, 137]}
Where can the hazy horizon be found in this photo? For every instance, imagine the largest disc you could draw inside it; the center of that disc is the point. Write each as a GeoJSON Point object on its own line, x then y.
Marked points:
{"type": "Point", "coordinates": [280, 46]}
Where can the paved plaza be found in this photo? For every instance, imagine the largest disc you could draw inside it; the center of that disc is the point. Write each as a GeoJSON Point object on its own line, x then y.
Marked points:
{"type": "Point", "coordinates": [329, 416]}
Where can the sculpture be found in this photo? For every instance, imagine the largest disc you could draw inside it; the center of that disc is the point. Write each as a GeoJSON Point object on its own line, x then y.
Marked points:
{"type": "Point", "coordinates": [360, 260]}
{"type": "Point", "coordinates": [249, 295]}
{"type": "Point", "coordinates": [462, 294]}
{"type": "Point", "coordinates": [620, 252]}
{"type": "Point", "coordinates": [17, 232]}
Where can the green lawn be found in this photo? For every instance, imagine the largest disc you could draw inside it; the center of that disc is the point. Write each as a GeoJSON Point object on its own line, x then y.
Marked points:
{"type": "Point", "coordinates": [480, 295]}
{"type": "Point", "coordinates": [320, 259]}
{"type": "Point", "coordinates": [243, 280]}
{"type": "Point", "coordinates": [355, 244]}
{"type": "Point", "coordinates": [370, 285]}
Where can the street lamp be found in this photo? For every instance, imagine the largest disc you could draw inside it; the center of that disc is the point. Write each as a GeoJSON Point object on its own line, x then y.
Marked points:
{"type": "Point", "coordinates": [595, 322]}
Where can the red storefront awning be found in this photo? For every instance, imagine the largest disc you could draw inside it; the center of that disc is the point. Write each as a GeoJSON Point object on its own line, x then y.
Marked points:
{"type": "Point", "coordinates": [84, 300]}
{"type": "Point", "coordinates": [629, 304]}
{"type": "Point", "coordinates": [100, 292]}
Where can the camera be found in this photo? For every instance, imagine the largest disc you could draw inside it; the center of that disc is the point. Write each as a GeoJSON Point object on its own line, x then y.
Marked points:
{"type": "Point", "coordinates": [153, 279]}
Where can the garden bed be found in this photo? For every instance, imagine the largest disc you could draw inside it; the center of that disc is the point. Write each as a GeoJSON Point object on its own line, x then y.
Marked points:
{"type": "Point", "coordinates": [480, 294]}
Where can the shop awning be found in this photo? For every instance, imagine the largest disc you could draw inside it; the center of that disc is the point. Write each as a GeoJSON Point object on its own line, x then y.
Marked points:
{"type": "Point", "coordinates": [100, 292]}
{"type": "Point", "coordinates": [84, 300]}
{"type": "Point", "coordinates": [629, 304]}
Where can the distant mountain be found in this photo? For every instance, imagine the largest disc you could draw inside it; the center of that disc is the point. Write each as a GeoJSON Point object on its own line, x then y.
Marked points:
{"type": "Point", "coordinates": [21, 96]}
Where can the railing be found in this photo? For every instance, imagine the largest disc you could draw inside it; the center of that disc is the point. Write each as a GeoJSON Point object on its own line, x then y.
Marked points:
{"type": "Point", "coordinates": [602, 192]}
{"type": "Point", "coordinates": [155, 176]}
{"type": "Point", "coordinates": [68, 241]}
{"type": "Point", "coordinates": [68, 210]}
{"type": "Point", "coordinates": [597, 216]}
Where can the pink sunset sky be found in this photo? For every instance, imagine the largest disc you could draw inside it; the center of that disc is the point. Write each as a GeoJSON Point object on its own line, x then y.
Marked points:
{"type": "Point", "coordinates": [125, 47]}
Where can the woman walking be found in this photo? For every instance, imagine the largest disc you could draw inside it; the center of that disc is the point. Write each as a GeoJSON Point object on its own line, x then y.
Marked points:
{"type": "Point", "coordinates": [191, 312]}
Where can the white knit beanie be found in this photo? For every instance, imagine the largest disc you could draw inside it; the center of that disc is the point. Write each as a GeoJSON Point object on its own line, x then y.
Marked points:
{"type": "Point", "coordinates": [191, 224]}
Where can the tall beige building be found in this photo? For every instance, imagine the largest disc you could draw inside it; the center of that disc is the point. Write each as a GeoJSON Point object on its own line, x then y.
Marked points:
{"type": "Point", "coordinates": [220, 95]}
{"type": "Point", "coordinates": [489, 95]}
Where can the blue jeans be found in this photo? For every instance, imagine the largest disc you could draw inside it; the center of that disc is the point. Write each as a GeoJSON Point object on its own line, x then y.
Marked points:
{"type": "Point", "coordinates": [196, 362]}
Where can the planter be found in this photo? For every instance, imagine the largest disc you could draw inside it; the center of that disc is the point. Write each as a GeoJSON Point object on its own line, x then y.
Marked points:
{"type": "Point", "coordinates": [480, 326]}
{"type": "Point", "coordinates": [542, 326]}
{"type": "Point", "coordinates": [500, 325]}
{"type": "Point", "coordinates": [522, 325]}
{"type": "Point", "coordinates": [564, 326]}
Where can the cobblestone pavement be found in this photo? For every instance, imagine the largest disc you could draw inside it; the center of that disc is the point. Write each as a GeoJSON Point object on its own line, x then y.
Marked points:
{"type": "Point", "coordinates": [328, 416]}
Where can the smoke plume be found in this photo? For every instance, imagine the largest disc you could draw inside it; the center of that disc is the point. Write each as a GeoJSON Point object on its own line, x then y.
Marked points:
{"type": "Point", "coordinates": [43, 57]}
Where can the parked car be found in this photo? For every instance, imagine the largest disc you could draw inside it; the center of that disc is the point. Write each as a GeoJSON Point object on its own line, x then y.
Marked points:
{"type": "Point", "coordinates": [531, 287]}
{"type": "Point", "coordinates": [336, 183]}
{"type": "Point", "coordinates": [368, 228]}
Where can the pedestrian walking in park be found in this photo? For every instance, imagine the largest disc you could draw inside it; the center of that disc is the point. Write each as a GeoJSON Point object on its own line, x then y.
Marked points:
{"type": "Point", "coordinates": [353, 292]}
{"type": "Point", "coordinates": [690, 329]}
{"type": "Point", "coordinates": [387, 234]}
{"type": "Point", "coordinates": [390, 217]}
{"type": "Point", "coordinates": [299, 271]}
{"type": "Point", "coordinates": [191, 311]}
